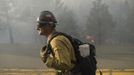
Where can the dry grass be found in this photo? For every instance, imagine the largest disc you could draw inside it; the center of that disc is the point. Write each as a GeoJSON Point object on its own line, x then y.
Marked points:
{"type": "Point", "coordinates": [53, 72]}
{"type": "Point", "coordinates": [27, 56]}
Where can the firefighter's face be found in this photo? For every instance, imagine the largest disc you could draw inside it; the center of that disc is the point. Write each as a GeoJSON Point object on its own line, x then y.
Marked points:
{"type": "Point", "coordinates": [42, 29]}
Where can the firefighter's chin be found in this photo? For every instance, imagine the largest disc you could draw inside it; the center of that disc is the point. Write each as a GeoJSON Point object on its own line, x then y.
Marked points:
{"type": "Point", "coordinates": [40, 33]}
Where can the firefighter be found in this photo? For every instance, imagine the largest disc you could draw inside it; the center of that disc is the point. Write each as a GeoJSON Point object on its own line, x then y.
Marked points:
{"type": "Point", "coordinates": [62, 50]}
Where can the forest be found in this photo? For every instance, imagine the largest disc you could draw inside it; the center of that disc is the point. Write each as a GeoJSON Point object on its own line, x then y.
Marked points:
{"type": "Point", "coordinates": [108, 22]}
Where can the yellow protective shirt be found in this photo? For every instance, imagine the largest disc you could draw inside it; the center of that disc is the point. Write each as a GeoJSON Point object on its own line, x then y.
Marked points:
{"type": "Point", "coordinates": [64, 54]}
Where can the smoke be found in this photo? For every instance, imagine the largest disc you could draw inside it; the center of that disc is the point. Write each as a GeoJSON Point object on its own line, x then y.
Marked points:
{"type": "Point", "coordinates": [21, 16]}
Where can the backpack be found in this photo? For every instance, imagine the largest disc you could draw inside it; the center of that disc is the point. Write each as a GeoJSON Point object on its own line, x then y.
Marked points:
{"type": "Point", "coordinates": [86, 65]}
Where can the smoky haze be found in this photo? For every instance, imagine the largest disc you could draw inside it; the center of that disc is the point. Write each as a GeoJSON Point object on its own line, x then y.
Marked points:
{"type": "Point", "coordinates": [106, 23]}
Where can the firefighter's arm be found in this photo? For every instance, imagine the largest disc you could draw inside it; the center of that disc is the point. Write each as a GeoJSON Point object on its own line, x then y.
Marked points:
{"type": "Point", "coordinates": [61, 60]}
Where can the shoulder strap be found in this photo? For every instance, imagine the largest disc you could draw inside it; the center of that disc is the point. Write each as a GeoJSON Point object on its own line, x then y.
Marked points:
{"type": "Point", "coordinates": [58, 33]}
{"type": "Point", "coordinates": [49, 45]}
{"type": "Point", "coordinates": [54, 35]}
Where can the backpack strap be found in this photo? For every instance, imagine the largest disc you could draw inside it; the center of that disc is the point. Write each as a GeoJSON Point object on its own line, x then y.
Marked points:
{"type": "Point", "coordinates": [49, 48]}
{"type": "Point", "coordinates": [65, 35]}
{"type": "Point", "coordinates": [53, 36]}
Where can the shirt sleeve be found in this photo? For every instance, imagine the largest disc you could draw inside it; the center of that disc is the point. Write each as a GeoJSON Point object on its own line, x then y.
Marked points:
{"type": "Point", "coordinates": [61, 60]}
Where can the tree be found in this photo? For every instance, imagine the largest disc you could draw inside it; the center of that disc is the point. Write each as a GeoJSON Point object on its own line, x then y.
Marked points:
{"type": "Point", "coordinates": [2, 14]}
{"type": "Point", "coordinates": [6, 10]}
{"type": "Point", "coordinates": [67, 23]}
{"type": "Point", "coordinates": [100, 22]}
{"type": "Point", "coordinates": [130, 25]}
{"type": "Point", "coordinates": [121, 18]}
{"type": "Point", "coordinates": [65, 17]}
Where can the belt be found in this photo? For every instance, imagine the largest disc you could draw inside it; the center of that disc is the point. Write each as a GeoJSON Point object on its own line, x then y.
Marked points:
{"type": "Point", "coordinates": [66, 72]}
{"type": "Point", "coordinates": [63, 72]}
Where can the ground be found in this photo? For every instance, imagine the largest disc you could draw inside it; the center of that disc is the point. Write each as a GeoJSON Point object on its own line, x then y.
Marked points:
{"type": "Point", "coordinates": [26, 56]}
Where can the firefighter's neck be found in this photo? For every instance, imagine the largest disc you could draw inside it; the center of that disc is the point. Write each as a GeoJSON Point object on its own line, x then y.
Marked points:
{"type": "Point", "coordinates": [50, 32]}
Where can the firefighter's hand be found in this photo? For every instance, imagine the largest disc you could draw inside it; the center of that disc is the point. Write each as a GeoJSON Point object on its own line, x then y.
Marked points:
{"type": "Point", "coordinates": [43, 53]}
{"type": "Point", "coordinates": [43, 48]}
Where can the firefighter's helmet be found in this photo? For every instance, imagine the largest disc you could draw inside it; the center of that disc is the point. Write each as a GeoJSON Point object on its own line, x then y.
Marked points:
{"type": "Point", "coordinates": [46, 17]}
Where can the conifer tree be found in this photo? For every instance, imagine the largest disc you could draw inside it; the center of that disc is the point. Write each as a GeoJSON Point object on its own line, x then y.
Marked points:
{"type": "Point", "coordinates": [100, 23]}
